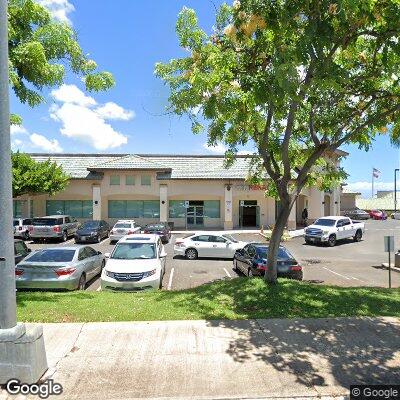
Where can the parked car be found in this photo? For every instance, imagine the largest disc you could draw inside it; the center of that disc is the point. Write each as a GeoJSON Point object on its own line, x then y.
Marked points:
{"type": "Point", "coordinates": [59, 268]}
{"type": "Point", "coordinates": [136, 263]}
{"type": "Point", "coordinates": [123, 228]}
{"type": "Point", "coordinates": [22, 227]}
{"type": "Point", "coordinates": [20, 250]}
{"type": "Point", "coordinates": [92, 231]}
{"type": "Point", "coordinates": [329, 230]}
{"type": "Point", "coordinates": [204, 244]}
{"type": "Point", "coordinates": [378, 214]}
{"type": "Point", "coordinates": [53, 227]}
{"type": "Point", "coordinates": [159, 229]}
{"type": "Point", "coordinates": [396, 215]}
{"type": "Point", "coordinates": [252, 261]}
{"type": "Point", "coordinates": [357, 214]}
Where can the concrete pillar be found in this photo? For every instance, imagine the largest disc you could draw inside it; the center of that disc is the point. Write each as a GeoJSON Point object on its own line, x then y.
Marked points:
{"type": "Point", "coordinates": [291, 223]}
{"type": "Point", "coordinates": [28, 207]}
{"type": "Point", "coordinates": [228, 204]}
{"type": "Point", "coordinates": [315, 204]}
{"type": "Point", "coordinates": [163, 203]}
{"type": "Point", "coordinates": [96, 194]}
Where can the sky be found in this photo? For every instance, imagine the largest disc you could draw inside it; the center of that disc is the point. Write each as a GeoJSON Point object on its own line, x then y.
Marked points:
{"type": "Point", "coordinates": [127, 38]}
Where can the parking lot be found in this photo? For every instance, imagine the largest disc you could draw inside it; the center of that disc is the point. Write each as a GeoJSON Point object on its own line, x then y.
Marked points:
{"type": "Point", "coordinates": [347, 264]}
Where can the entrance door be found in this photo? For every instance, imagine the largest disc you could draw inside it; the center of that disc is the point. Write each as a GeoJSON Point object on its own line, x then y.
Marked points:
{"type": "Point", "coordinates": [249, 213]}
{"type": "Point", "coordinates": [195, 216]}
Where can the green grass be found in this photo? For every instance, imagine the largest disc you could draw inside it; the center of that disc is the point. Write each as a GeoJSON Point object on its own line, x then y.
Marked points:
{"type": "Point", "coordinates": [239, 298]}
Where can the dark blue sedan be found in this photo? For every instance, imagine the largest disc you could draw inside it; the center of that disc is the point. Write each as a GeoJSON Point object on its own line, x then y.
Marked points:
{"type": "Point", "coordinates": [252, 261]}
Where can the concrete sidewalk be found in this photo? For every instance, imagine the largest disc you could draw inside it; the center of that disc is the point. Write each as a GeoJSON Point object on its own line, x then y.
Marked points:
{"type": "Point", "coordinates": [222, 359]}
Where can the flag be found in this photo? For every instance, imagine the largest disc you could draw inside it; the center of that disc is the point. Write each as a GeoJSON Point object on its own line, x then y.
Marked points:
{"type": "Point", "coordinates": [375, 172]}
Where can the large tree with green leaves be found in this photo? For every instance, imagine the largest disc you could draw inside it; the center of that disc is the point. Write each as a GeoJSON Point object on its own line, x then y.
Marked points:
{"type": "Point", "coordinates": [41, 50]}
{"type": "Point", "coordinates": [298, 79]}
{"type": "Point", "coordinates": [31, 177]}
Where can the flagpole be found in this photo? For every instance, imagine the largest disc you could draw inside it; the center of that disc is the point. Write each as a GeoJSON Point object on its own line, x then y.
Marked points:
{"type": "Point", "coordinates": [372, 196]}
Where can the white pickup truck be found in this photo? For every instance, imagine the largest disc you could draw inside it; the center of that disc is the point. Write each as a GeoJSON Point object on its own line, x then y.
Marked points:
{"type": "Point", "coordinates": [331, 229]}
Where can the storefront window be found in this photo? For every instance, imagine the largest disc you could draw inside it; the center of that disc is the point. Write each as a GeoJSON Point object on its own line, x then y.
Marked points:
{"type": "Point", "coordinates": [177, 209]}
{"type": "Point", "coordinates": [17, 208]}
{"type": "Point", "coordinates": [116, 209]}
{"type": "Point", "coordinates": [74, 208]}
{"type": "Point", "coordinates": [146, 180]}
{"type": "Point", "coordinates": [133, 209]}
{"type": "Point", "coordinates": [114, 180]}
{"type": "Point", "coordinates": [212, 208]}
{"type": "Point", "coordinates": [130, 180]}
{"type": "Point", "coordinates": [151, 209]}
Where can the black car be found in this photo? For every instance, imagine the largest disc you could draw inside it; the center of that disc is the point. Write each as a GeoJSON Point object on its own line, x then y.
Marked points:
{"type": "Point", "coordinates": [357, 214]}
{"type": "Point", "coordinates": [92, 231]}
{"type": "Point", "coordinates": [20, 250]}
{"type": "Point", "coordinates": [252, 261]}
{"type": "Point", "coordinates": [160, 229]}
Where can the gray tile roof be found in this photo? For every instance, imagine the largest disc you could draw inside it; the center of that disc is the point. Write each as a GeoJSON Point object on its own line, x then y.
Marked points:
{"type": "Point", "coordinates": [89, 166]}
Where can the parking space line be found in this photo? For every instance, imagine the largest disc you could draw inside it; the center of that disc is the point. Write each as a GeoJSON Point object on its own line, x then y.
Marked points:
{"type": "Point", "coordinates": [336, 273]}
{"type": "Point", "coordinates": [69, 241]}
{"type": "Point", "coordinates": [227, 273]}
{"type": "Point", "coordinates": [103, 240]}
{"type": "Point", "coordinates": [170, 279]}
{"type": "Point", "coordinates": [98, 289]}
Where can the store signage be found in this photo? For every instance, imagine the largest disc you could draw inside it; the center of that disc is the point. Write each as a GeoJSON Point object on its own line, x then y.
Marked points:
{"type": "Point", "coordinates": [248, 188]}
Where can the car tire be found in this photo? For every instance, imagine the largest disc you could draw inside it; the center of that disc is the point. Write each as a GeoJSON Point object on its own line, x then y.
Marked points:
{"type": "Point", "coordinates": [298, 276]}
{"type": "Point", "coordinates": [332, 241]}
{"type": "Point", "coordinates": [235, 268]}
{"type": "Point", "coordinates": [103, 264]}
{"type": "Point", "coordinates": [358, 236]}
{"type": "Point", "coordinates": [308, 241]}
{"type": "Point", "coordinates": [64, 236]}
{"type": "Point", "coordinates": [82, 283]}
{"type": "Point", "coordinates": [98, 239]}
{"type": "Point", "coordinates": [191, 254]}
{"type": "Point", "coordinates": [76, 241]}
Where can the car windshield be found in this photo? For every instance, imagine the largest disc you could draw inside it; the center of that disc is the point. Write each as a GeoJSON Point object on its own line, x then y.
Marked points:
{"type": "Point", "coordinates": [133, 251]}
{"type": "Point", "coordinates": [325, 222]}
{"type": "Point", "coordinates": [90, 225]}
{"type": "Point", "coordinates": [230, 238]}
{"type": "Point", "coordinates": [121, 225]}
{"type": "Point", "coordinates": [282, 253]}
{"type": "Point", "coordinates": [46, 221]}
{"type": "Point", "coordinates": [16, 222]}
{"type": "Point", "coordinates": [52, 255]}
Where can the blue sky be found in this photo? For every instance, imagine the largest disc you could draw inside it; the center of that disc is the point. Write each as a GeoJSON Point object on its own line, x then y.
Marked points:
{"type": "Point", "coordinates": [127, 37]}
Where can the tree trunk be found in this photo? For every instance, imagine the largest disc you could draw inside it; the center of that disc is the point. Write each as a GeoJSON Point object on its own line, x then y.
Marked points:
{"type": "Point", "coordinates": [271, 273]}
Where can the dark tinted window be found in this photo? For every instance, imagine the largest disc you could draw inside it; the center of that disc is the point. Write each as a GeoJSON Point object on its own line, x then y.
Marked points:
{"type": "Point", "coordinates": [251, 251]}
{"type": "Point", "coordinates": [201, 238]}
{"type": "Point", "coordinates": [217, 239]}
{"type": "Point", "coordinates": [16, 222]}
{"type": "Point", "coordinates": [67, 220]}
{"type": "Point", "coordinates": [82, 254]}
{"type": "Point", "coordinates": [90, 225]}
{"type": "Point", "coordinates": [52, 255]}
{"type": "Point", "coordinates": [282, 253]}
{"type": "Point", "coordinates": [325, 222]}
{"type": "Point", "coordinates": [27, 222]}
{"type": "Point", "coordinates": [90, 252]}
{"type": "Point", "coordinates": [47, 221]}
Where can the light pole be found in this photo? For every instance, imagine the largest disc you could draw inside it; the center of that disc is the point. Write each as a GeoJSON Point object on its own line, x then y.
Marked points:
{"type": "Point", "coordinates": [22, 350]}
{"type": "Point", "coordinates": [395, 188]}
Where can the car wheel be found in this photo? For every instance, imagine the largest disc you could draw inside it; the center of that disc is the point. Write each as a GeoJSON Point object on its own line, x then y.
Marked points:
{"type": "Point", "coordinates": [298, 276]}
{"type": "Point", "coordinates": [98, 239]}
{"type": "Point", "coordinates": [191, 254]}
{"type": "Point", "coordinates": [308, 241]}
{"type": "Point", "coordinates": [358, 236]}
{"type": "Point", "coordinates": [235, 267]}
{"type": "Point", "coordinates": [64, 237]}
{"type": "Point", "coordinates": [103, 263]}
{"type": "Point", "coordinates": [332, 241]}
{"type": "Point", "coordinates": [82, 282]}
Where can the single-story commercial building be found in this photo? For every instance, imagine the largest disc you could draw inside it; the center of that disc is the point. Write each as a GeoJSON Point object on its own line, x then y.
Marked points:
{"type": "Point", "coordinates": [193, 191]}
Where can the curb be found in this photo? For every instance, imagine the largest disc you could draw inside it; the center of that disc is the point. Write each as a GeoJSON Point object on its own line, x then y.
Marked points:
{"type": "Point", "coordinates": [386, 266]}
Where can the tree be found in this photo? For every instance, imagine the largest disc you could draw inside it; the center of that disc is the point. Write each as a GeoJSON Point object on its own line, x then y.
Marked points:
{"type": "Point", "coordinates": [40, 49]}
{"type": "Point", "coordinates": [298, 78]}
{"type": "Point", "coordinates": [31, 177]}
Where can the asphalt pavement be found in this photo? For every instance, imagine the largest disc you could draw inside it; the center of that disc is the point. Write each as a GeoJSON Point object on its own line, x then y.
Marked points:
{"type": "Point", "coordinates": [347, 264]}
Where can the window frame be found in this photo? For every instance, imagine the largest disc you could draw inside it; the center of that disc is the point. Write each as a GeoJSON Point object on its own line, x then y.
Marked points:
{"type": "Point", "coordinates": [131, 177]}
{"type": "Point", "coordinates": [115, 176]}
{"type": "Point", "coordinates": [145, 176]}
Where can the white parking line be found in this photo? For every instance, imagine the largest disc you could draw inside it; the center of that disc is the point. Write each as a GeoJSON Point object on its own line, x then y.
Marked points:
{"type": "Point", "coordinates": [336, 273]}
{"type": "Point", "coordinates": [98, 289]}
{"type": "Point", "coordinates": [103, 240]}
{"type": "Point", "coordinates": [227, 273]}
{"type": "Point", "coordinates": [69, 241]}
{"type": "Point", "coordinates": [170, 279]}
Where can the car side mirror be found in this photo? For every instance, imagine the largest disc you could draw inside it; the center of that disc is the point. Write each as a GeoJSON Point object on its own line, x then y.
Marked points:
{"type": "Point", "coordinates": [163, 254]}
{"type": "Point", "coordinates": [107, 255]}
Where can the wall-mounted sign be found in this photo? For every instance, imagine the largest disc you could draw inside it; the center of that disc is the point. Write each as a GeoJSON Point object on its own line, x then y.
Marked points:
{"type": "Point", "coordinates": [248, 188]}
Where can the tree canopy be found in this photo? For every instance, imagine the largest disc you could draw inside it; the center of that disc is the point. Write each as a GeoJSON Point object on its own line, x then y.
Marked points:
{"type": "Point", "coordinates": [32, 177]}
{"type": "Point", "coordinates": [40, 51]}
{"type": "Point", "coordinates": [296, 78]}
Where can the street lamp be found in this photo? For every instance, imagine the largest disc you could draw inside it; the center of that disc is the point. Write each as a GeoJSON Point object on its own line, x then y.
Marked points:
{"type": "Point", "coordinates": [395, 188]}
{"type": "Point", "coordinates": [23, 356]}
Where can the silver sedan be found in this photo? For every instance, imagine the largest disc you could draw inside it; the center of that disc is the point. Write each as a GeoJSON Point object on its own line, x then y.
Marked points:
{"type": "Point", "coordinates": [59, 268]}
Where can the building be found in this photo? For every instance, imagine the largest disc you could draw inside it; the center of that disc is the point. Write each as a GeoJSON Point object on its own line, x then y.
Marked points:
{"type": "Point", "coordinates": [383, 201]}
{"type": "Point", "coordinates": [193, 191]}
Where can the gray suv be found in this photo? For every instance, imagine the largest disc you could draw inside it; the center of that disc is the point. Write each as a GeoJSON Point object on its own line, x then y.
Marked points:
{"type": "Point", "coordinates": [53, 227]}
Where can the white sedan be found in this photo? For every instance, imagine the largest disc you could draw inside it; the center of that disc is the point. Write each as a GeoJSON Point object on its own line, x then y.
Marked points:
{"type": "Point", "coordinates": [136, 263]}
{"type": "Point", "coordinates": [206, 244]}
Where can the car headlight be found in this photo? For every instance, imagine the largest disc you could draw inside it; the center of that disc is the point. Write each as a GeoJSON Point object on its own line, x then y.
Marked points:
{"type": "Point", "coordinates": [325, 232]}
{"type": "Point", "coordinates": [93, 233]}
{"type": "Point", "coordinates": [110, 274]}
{"type": "Point", "coordinates": [149, 273]}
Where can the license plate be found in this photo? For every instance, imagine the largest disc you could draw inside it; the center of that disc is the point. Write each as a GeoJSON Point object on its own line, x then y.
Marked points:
{"type": "Point", "coordinates": [120, 231]}
{"type": "Point", "coordinates": [83, 238]}
{"type": "Point", "coordinates": [312, 239]}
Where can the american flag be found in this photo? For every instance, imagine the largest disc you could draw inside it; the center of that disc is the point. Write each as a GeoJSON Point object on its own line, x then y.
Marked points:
{"type": "Point", "coordinates": [375, 172]}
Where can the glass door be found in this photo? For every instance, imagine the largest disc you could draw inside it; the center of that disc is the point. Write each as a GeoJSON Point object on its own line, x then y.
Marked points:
{"type": "Point", "coordinates": [195, 216]}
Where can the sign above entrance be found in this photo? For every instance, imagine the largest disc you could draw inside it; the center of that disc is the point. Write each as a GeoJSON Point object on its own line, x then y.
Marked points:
{"type": "Point", "coordinates": [248, 188]}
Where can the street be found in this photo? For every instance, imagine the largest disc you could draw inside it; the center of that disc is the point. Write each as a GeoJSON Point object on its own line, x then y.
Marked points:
{"type": "Point", "coordinates": [347, 264]}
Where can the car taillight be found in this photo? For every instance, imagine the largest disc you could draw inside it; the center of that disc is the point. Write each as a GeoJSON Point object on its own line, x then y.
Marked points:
{"type": "Point", "coordinates": [30, 228]}
{"type": "Point", "coordinates": [65, 271]}
{"type": "Point", "coordinates": [18, 271]}
{"type": "Point", "coordinates": [296, 268]}
{"type": "Point", "coordinates": [57, 229]}
{"type": "Point", "coordinates": [261, 266]}
{"type": "Point", "coordinates": [145, 231]}
{"type": "Point", "coordinates": [130, 232]}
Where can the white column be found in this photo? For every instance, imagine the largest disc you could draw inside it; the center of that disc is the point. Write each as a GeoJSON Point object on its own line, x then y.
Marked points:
{"type": "Point", "coordinates": [228, 204]}
{"type": "Point", "coordinates": [315, 204]}
{"type": "Point", "coordinates": [28, 207]}
{"type": "Point", "coordinates": [163, 203]}
{"type": "Point", "coordinates": [96, 192]}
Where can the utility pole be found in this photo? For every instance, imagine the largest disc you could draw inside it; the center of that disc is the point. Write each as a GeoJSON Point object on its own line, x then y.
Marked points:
{"type": "Point", "coordinates": [395, 188]}
{"type": "Point", "coordinates": [22, 349]}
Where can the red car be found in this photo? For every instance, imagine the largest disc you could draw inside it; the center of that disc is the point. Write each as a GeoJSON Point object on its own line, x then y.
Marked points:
{"type": "Point", "coordinates": [378, 214]}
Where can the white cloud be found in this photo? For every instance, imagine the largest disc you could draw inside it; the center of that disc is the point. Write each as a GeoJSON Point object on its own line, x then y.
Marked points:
{"type": "Point", "coordinates": [72, 94]}
{"type": "Point", "coordinates": [111, 110]}
{"type": "Point", "coordinates": [16, 129]}
{"type": "Point", "coordinates": [244, 152]}
{"type": "Point", "coordinates": [364, 186]}
{"type": "Point", "coordinates": [217, 149]}
{"type": "Point", "coordinates": [44, 144]}
{"type": "Point", "coordinates": [59, 9]}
